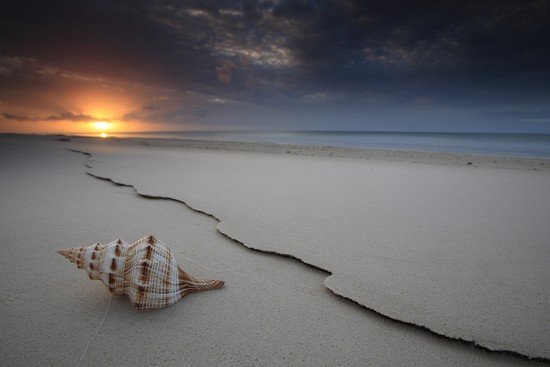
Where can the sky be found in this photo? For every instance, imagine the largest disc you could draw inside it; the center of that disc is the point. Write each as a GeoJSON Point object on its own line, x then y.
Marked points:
{"type": "Point", "coordinates": [474, 66]}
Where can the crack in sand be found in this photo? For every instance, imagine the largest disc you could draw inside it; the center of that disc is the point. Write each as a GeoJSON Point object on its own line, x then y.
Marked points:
{"type": "Point", "coordinates": [417, 326]}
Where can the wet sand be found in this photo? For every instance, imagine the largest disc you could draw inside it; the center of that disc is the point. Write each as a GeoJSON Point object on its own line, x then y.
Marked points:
{"type": "Point", "coordinates": [273, 310]}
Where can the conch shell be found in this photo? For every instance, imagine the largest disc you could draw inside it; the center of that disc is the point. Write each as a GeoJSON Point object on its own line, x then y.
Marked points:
{"type": "Point", "coordinates": [146, 271]}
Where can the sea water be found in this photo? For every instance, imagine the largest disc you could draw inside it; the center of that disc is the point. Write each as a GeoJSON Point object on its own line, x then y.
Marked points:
{"type": "Point", "coordinates": [516, 145]}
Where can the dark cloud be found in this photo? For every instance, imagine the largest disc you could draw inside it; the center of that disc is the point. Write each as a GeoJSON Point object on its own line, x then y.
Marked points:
{"type": "Point", "coordinates": [10, 116]}
{"type": "Point", "coordinates": [224, 71]}
{"type": "Point", "coordinates": [64, 116]}
{"type": "Point", "coordinates": [150, 107]}
{"type": "Point", "coordinates": [286, 54]}
{"type": "Point", "coordinates": [69, 116]}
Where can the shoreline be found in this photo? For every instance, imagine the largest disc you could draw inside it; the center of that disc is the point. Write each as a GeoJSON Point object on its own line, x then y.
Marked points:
{"type": "Point", "coordinates": [405, 156]}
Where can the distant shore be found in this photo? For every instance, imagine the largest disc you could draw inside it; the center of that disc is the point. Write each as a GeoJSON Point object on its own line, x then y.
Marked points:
{"type": "Point", "coordinates": [526, 145]}
{"type": "Point", "coordinates": [460, 159]}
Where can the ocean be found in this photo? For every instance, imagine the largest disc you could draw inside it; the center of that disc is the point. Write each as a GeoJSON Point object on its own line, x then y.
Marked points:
{"type": "Point", "coordinates": [515, 145]}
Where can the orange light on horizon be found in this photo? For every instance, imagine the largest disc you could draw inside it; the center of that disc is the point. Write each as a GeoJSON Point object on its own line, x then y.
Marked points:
{"type": "Point", "coordinates": [102, 126]}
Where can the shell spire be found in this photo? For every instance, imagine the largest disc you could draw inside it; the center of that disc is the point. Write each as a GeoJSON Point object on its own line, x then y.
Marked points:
{"type": "Point", "coordinates": [146, 271]}
{"type": "Point", "coordinates": [68, 253]}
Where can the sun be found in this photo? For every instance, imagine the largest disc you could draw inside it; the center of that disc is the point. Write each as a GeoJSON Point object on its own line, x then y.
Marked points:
{"type": "Point", "coordinates": [102, 125]}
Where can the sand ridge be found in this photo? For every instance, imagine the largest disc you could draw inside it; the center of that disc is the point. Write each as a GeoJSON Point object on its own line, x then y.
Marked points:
{"type": "Point", "coordinates": [272, 312]}
{"type": "Point", "coordinates": [488, 289]}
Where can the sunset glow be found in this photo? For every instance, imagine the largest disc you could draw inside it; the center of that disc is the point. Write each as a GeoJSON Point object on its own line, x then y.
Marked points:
{"type": "Point", "coordinates": [346, 66]}
{"type": "Point", "coordinates": [102, 126]}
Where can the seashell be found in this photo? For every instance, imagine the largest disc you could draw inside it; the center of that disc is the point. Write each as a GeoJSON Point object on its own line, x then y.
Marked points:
{"type": "Point", "coordinates": [146, 271]}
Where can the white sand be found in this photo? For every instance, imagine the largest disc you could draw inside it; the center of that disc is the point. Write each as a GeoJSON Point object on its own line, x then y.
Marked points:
{"type": "Point", "coordinates": [273, 310]}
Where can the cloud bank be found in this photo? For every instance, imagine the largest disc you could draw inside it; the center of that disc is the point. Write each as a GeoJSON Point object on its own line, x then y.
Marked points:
{"type": "Point", "coordinates": [356, 65]}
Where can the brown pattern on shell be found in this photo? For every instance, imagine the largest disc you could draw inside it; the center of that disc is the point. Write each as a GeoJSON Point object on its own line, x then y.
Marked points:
{"type": "Point", "coordinates": [146, 271]}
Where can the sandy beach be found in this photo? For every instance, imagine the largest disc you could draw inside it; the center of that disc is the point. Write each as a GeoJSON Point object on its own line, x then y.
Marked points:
{"type": "Point", "coordinates": [331, 256]}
